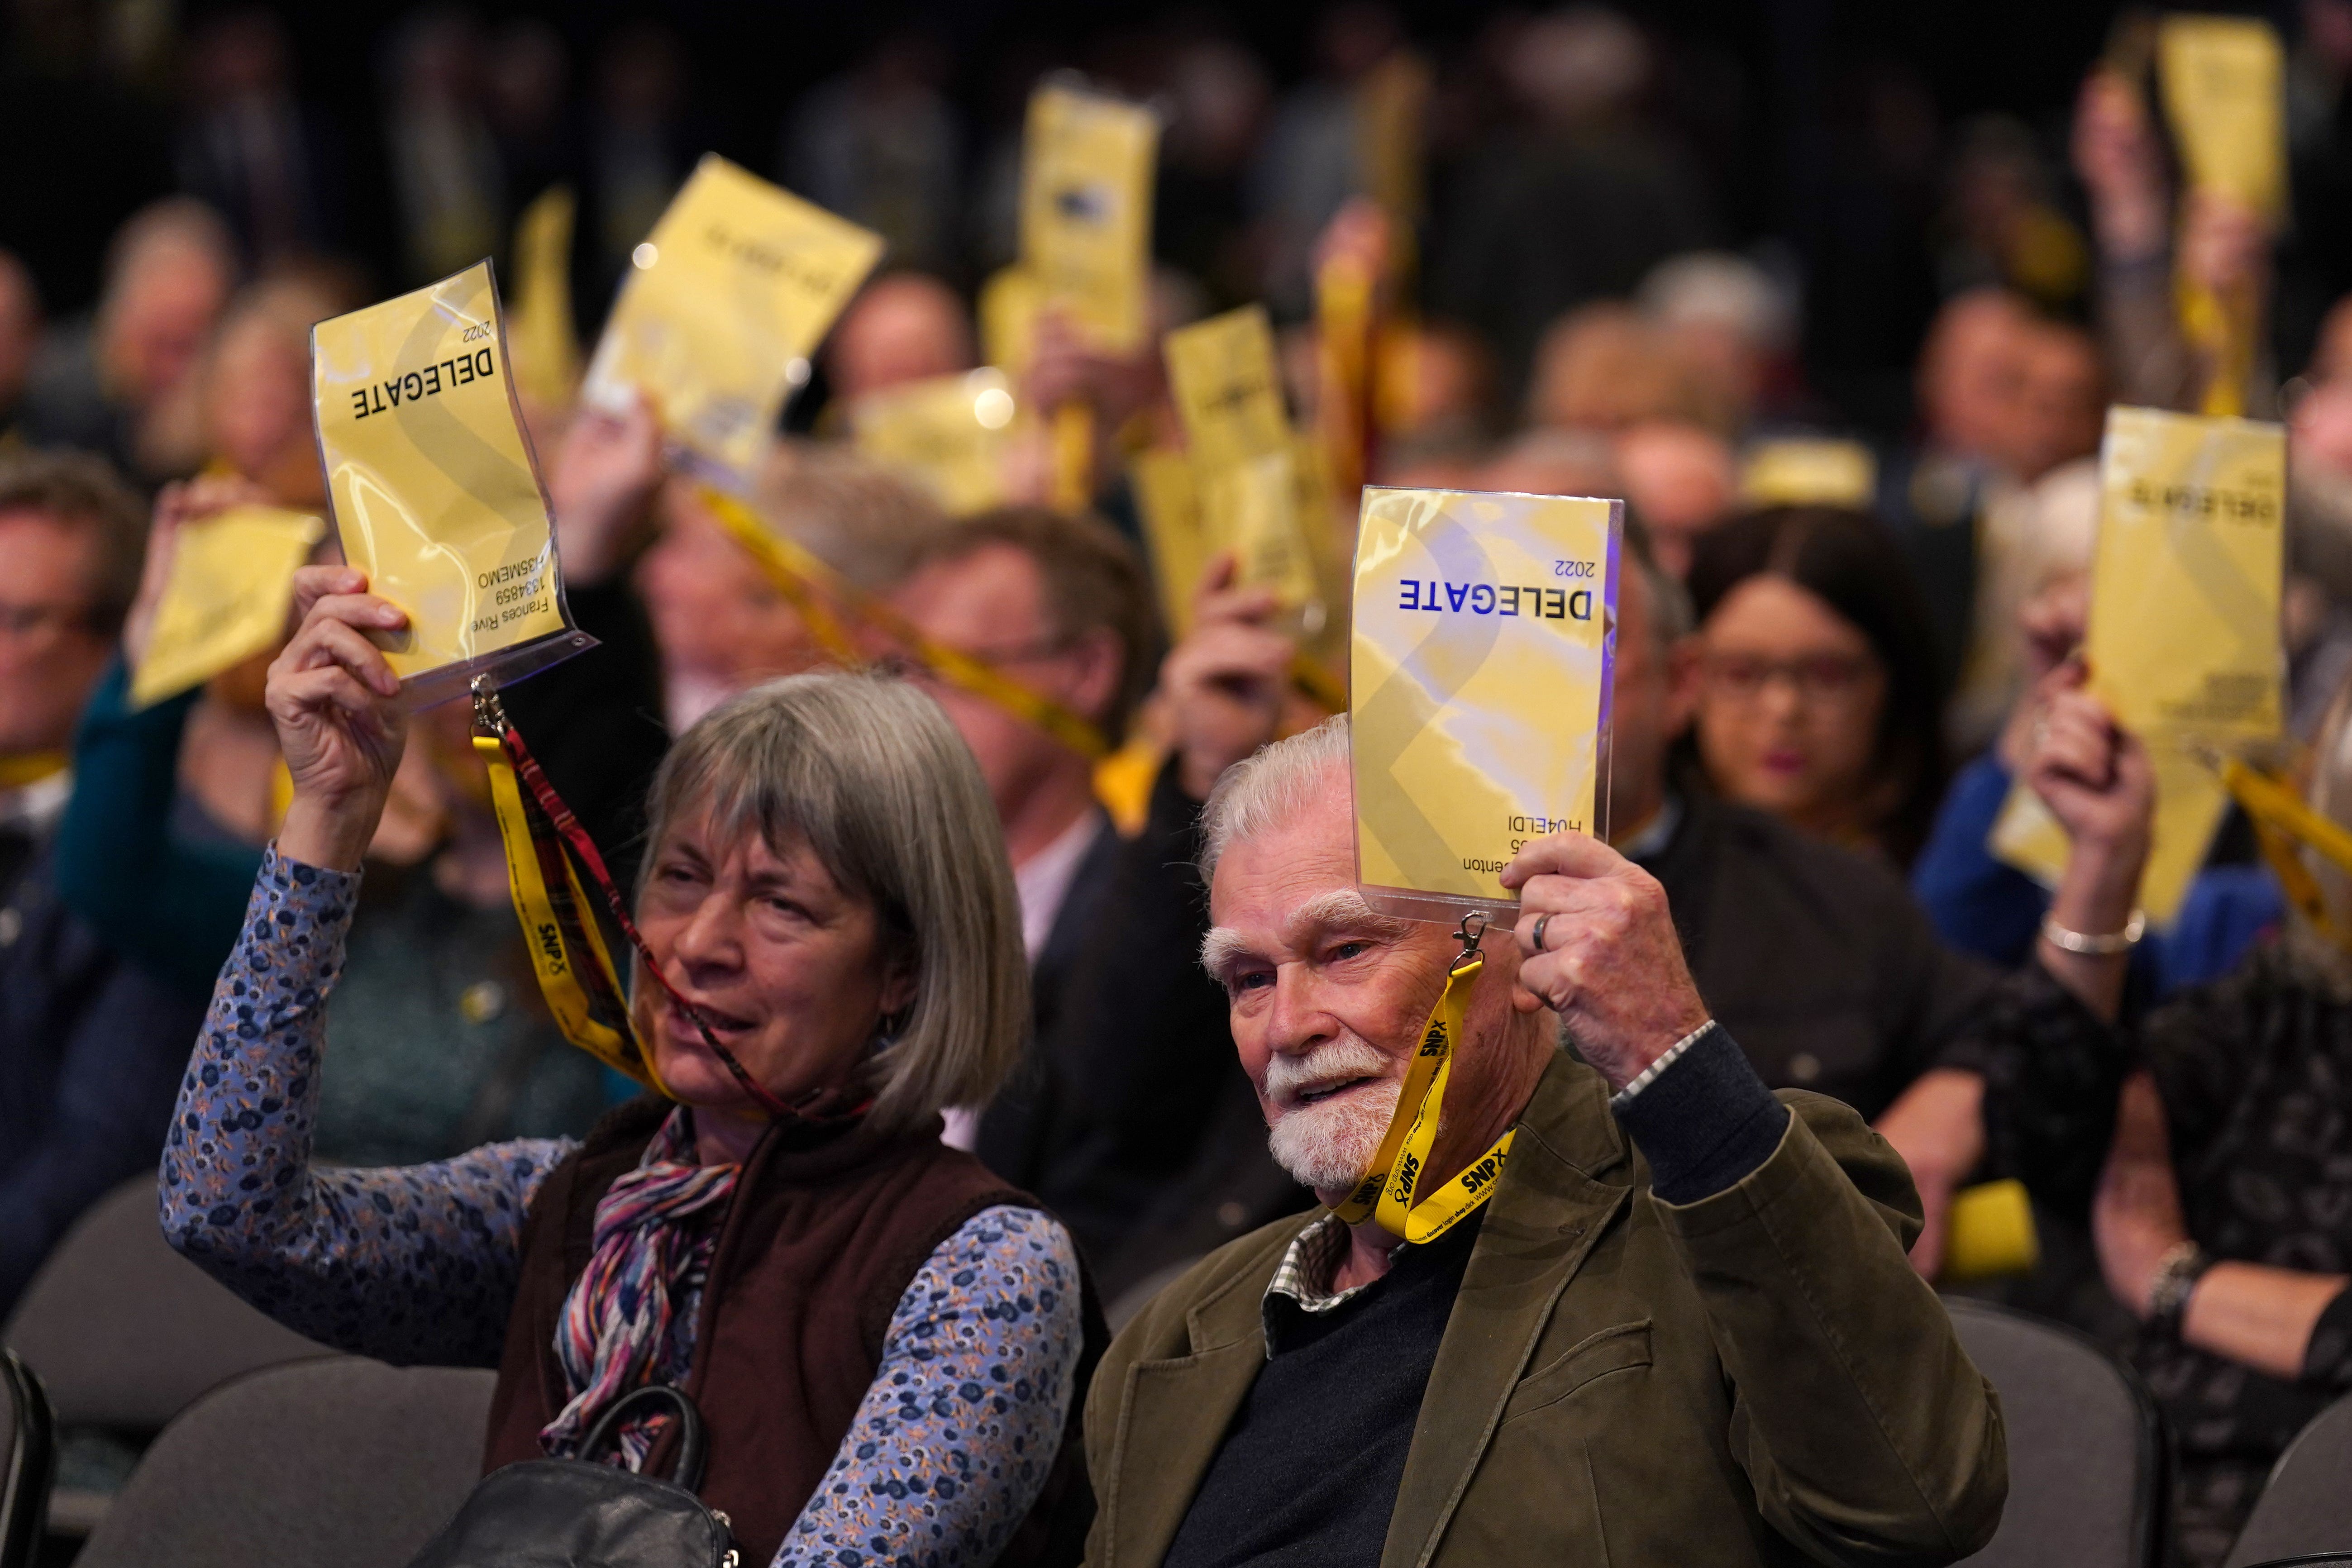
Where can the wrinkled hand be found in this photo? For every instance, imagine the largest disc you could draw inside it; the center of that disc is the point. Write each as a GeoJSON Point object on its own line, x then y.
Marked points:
{"type": "Point", "coordinates": [604, 485]}
{"type": "Point", "coordinates": [1612, 965]}
{"type": "Point", "coordinates": [331, 695]}
{"type": "Point", "coordinates": [2135, 1215]}
{"type": "Point", "coordinates": [1227, 681]}
{"type": "Point", "coordinates": [176, 505]}
{"type": "Point", "coordinates": [2094, 775]}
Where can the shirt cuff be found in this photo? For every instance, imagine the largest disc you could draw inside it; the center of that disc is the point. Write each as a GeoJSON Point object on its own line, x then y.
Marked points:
{"type": "Point", "coordinates": [2327, 1355]}
{"type": "Point", "coordinates": [1701, 1116]}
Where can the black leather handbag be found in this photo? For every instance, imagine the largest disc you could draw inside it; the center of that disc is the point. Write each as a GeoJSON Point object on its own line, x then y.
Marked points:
{"type": "Point", "coordinates": [576, 1513]}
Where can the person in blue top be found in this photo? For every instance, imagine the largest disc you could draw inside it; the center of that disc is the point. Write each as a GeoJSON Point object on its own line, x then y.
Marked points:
{"type": "Point", "coordinates": [1983, 905]}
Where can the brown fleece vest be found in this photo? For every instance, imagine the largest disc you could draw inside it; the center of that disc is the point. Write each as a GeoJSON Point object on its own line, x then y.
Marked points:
{"type": "Point", "coordinates": [818, 1245]}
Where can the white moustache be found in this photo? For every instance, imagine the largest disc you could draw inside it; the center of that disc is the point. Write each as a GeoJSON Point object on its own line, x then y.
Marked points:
{"type": "Point", "coordinates": [1334, 1062]}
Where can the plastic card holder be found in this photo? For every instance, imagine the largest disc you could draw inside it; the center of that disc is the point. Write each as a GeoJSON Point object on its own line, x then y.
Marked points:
{"type": "Point", "coordinates": [436, 491]}
{"type": "Point", "coordinates": [1483, 649]}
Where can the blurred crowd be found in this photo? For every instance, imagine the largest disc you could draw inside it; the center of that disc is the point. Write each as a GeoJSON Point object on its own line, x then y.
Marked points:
{"type": "Point", "coordinates": [1826, 686]}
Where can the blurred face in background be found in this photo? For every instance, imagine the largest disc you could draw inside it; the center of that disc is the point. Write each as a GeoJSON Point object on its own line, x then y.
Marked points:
{"type": "Point", "coordinates": [51, 653]}
{"type": "Point", "coordinates": [1972, 377]}
{"type": "Point", "coordinates": [992, 603]}
{"type": "Point", "coordinates": [157, 316]}
{"type": "Point", "coordinates": [1790, 695]}
{"type": "Point", "coordinates": [904, 327]}
{"type": "Point", "coordinates": [2062, 398]}
{"type": "Point", "coordinates": [1649, 702]}
{"type": "Point", "coordinates": [257, 409]}
{"type": "Point", "coordinates": [1679, 478]}
{"type": "Point", "coordinates": [722, 627]}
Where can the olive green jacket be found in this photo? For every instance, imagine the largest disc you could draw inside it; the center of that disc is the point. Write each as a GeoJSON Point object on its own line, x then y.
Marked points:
{"type": "Point", "coordinates": [1758, 1377]}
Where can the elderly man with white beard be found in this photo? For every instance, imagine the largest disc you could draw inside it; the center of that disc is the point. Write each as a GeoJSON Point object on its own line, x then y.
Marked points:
{"type": "Point", "coordinates": [1679, 1327]}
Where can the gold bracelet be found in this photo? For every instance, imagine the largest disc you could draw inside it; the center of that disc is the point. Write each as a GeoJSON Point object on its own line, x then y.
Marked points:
{"type": "Point", "coordinates": [2108, 946]}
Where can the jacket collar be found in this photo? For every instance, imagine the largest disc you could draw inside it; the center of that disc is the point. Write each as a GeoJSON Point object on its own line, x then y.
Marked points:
{"type": "Point", "coordinates": [1551, 1206]}
{"type": "Point", "coordinates": [1549, 1209]}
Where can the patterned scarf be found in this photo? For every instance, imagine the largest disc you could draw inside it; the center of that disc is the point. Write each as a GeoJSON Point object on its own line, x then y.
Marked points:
{"type": "Point", "coordinates": [628, 1319]}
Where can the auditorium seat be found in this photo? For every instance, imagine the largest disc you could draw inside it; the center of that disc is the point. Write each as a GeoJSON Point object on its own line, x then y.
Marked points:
{"type": "Point", "coordinates": [2306, 1509]}
{"type": "Point", "coordinates": [337, 1459]}
{"type": "Point", "coordinates": [25, 1459]}
{"type": "Point", "coordinates": [125, 1332]}
{"type": "Point", "coordinates": [2085, 1468]}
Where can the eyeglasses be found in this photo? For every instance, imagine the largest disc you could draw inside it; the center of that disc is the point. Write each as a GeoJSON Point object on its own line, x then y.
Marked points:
{"type": "Point", "coordinates": [905, 666]}
{"type": "Point", "coordinates": [28, 621]}
{"type": "Point", "coordinates": [1823, 678]}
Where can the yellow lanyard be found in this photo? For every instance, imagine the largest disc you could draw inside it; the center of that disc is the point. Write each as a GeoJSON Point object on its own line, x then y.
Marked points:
{"type": "Point", "coordinates": [1390, 1192]}
{"type": "Point", "coordinates": [21, 768]}
{"type": "Point", "coordinates": [2281, 821]}
{"type": "Point", "coordinates": [575, 970]}
{"type": "Point", "coordinates": [807, 582]}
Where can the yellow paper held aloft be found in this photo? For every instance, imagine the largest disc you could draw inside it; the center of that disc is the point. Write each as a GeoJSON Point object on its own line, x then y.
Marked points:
{"type": "Point", "coordinates": [2184, 628]}
{"type": "Point", "coordinates": [951, 434]}
{"type": "Point", "coordinates": [2183, 641]}
{"type": "Point", "coordinates": [1483, 635]}
{"type": "Point", "coordinates": [232, 581]}
{"type": "Point", "coordinates": [546, 344]}
{"type": "Point", "coordinates": [1169, 502]}
{"type": "Point", "coordinates": [1086, 212]}
{"type": "Point", "coordinates": [436, 494]}
{"type": "Point", "coordinates": [738, 281]}
{"type": "Point", "coordinates": [2223, 83]}
{"type": "Point", "coordinates": [1228, 390]}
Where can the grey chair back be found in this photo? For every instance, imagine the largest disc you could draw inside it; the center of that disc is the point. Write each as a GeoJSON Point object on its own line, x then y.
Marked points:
{"type": "Point", "coordinates": [2086, 1463]}
{"type": "Point", "coordinates": [339, 1459]}
{"type": "Point", "coordinates": [2306, 1509]}
{"type": "Point", "coordinates": [27, 1461]}
{"type": "Point", "coordinates": [125, 1333]}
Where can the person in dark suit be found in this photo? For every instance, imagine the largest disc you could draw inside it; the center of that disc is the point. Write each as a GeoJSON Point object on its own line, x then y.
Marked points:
{"type": "Point", "coordinates": [91, 1045]}
{"type": "Point", "coordinates": [1061, 606]}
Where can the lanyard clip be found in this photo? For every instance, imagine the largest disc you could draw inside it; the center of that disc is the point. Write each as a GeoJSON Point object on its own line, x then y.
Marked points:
{"type": "Point", "coordinates": [490, 713]}
{"type": "Point", "coordinates": [1469, 936]}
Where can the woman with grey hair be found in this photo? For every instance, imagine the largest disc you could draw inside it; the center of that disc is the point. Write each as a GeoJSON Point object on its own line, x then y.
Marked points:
{"type": "Point", "coordinates": [885, 1341]}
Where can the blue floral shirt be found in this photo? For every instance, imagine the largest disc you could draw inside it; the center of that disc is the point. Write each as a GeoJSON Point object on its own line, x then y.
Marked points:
{"type": "Point", "coordinates": [418, 1263]}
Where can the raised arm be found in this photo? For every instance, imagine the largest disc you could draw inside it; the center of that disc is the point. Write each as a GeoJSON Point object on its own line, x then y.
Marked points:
{"type": "Point", "coordinates": [343, 1256]}
{"type": "Point", "coordinates": [1866, 1432]}
{"type": "Point", "coordinates": [411, 1264]}
{"type": "Point", "coordinates": [953, 1444]}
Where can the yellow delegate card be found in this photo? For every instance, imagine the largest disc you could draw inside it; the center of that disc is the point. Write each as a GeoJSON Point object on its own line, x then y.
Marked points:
{"type": "Point", "coordinates": [1169, 504]}
{"type": "Point", "coordinates": [1086, 212]}
{"type": "Point", "coordinates": [436, 492]}
{"type": "Point", "coordinates": [1483, 637]}
{"type": "Point", "coordinates": [738, 281]}
{"type": "Point", "coordinates": [951, 434]}
{"type": "Point", "coordinates": [539, 328]}
{"type": "Point", "coordinates": [1228, 390]}
{"type": "Point", "coordinates": [2223, 84]}
{"type": "Point", "coordinates": [232, 581]}
{"type": "Point", "coordinates": [2184, 628]}
{"type": "Point", "coordinates": [2183, 644]}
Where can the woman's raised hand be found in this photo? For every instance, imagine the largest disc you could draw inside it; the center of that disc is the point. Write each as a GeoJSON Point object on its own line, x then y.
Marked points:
{"type": "Point", "coordinates": [332, 697]}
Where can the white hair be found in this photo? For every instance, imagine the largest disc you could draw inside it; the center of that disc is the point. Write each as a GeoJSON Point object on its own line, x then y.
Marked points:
{"type": "Point", "coordinates": [1269, 788]}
